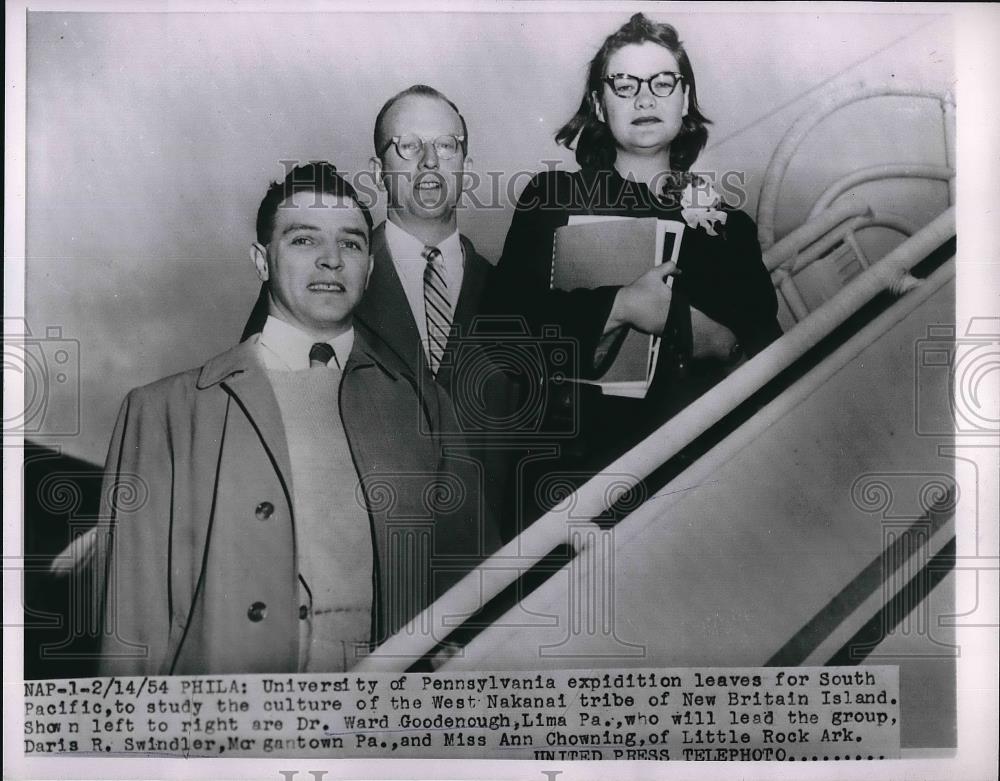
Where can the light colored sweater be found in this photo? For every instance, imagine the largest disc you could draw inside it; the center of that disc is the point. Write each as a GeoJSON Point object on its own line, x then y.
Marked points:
{"type": "Point", "coordinates": [333, 532]}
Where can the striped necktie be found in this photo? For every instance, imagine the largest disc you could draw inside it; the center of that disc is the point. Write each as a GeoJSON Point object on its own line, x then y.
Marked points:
{"type": "Point", "coordinates": [437, 306]}
{"type": "Point", "coordinates": [320, 355]}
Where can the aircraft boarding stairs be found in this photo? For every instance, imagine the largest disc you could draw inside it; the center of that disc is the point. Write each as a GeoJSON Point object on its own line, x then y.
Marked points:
{"type": "Point", "coordinates": [820, 530]}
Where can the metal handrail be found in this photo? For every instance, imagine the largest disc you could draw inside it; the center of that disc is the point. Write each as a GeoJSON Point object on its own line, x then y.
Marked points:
{"type": "Point", "coordinates": [701, 471]}
{"type": "Point", "coordinates": [875, 172]}
{"type": "Point", "coordinates": [792, 244]}
{"type": "Point", "coordinates": [597, 557]}
{"type": "Point", "coordinates": [591, 499]}
{"type": "Point", "coordinates": [804, 246]}
{"type": "Point", "coordinates": [775, 173]}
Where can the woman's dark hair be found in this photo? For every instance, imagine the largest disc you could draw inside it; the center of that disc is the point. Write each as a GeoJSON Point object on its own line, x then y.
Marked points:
{"type": "Point", "coordinates": [595, 146]}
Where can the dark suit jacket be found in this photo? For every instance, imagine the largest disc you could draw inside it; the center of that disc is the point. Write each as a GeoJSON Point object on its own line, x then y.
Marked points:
{"type": "Point", "coordinates": [483, 396]}
{"type": "Point", "coordinates": [387, 312]}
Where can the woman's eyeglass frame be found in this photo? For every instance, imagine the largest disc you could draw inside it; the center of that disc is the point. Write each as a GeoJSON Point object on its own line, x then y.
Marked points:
{"type": "Point", "coordinates": [441, 145]}
{"type": "Point", "coordinates": [636, 84]}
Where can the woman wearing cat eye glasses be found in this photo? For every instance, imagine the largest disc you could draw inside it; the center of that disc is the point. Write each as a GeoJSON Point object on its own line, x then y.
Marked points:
{"type": "Point", "coordinates": [636, 134]}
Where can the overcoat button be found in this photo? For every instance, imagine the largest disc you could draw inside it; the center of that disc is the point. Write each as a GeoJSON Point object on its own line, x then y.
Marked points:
{"type": "Point", "coordinates": [303, 612]}
{"type": "Point", "coordinates": [257, 611]}
{"type": "Point", "coordinates": [264, 511]}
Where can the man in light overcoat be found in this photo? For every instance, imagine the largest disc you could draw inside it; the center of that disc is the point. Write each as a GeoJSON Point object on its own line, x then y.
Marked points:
{"type": "Point", "coordinates": [287, 496]}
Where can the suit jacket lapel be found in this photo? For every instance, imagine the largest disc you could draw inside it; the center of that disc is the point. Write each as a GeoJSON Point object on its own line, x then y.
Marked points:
{"type": "Point", "coordinates": [385, 308]}
{"type": "Point", "coordinates": [473, 280]}
{"type": "Point", "coordinates": [474, 275]}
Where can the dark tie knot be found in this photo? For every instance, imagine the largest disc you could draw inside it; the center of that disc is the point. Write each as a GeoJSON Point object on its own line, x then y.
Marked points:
{"type": "Point", "coordinates": [320, 354]}
{"type": "Point", "coordinates": [431, 254]}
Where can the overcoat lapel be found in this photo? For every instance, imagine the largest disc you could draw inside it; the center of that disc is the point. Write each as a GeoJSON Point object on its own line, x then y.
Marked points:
{"type": "Point", "coordinates": [241, 374]}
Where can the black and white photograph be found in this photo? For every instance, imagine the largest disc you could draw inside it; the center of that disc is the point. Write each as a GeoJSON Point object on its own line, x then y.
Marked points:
{"type": "Point", "coordinates": [505, 388]}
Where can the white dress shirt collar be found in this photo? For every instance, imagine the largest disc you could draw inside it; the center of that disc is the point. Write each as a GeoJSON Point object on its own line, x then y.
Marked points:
{"type": "Point", "coordinates": [283, 347]}
{"type": "Point", "coordinates": [405, 247]}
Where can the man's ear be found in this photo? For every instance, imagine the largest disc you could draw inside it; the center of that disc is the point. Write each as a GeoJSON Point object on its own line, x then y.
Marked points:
{"type": "Point", "coordinates": [375, 166]}
{"type": "Point", "coordinates": [371, 268]}
{"type": "Point", "coordinates": [258, 256]}
{"type": "Point", "coordinates": [598, 108]}
{"type": "Point", "coordinates": [467, 163]}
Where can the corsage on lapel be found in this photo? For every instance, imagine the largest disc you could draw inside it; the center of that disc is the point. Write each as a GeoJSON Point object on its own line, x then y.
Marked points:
{"type": "Point", "coordinates": [699, 202]}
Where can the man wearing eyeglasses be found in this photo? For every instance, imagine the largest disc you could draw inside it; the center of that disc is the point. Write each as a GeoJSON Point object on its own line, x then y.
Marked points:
{"type": "Point", "coordinates": [428, 281]}
{"type": "Point", "coordinates": [420, 145]}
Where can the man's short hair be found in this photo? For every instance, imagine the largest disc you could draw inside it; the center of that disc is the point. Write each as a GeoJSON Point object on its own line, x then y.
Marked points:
{"type": "Point", "coordinates": [380, 142]}
{"type": "Point", "coordinates": [316, 177]}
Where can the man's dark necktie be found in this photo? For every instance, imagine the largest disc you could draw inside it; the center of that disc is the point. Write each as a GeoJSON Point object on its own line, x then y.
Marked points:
{"type": "Point", "coordinates": [320, 355]}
